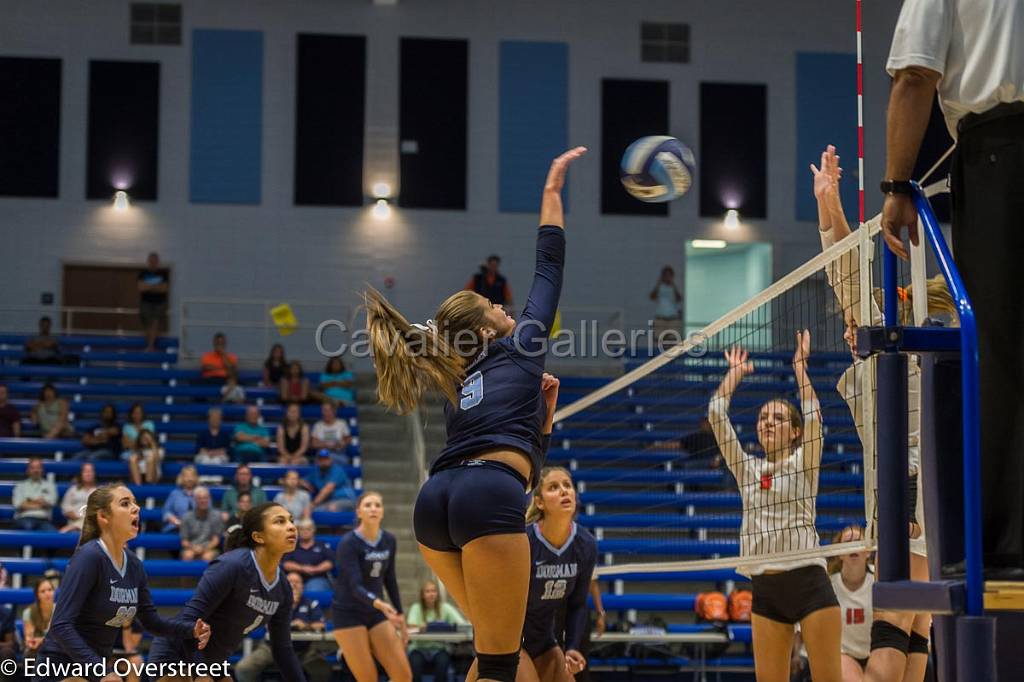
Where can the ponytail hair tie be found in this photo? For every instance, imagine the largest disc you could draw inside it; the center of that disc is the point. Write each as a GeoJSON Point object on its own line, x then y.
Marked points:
{"type": "Point", "coordinates": [233, 528]}
{"type": "Point", "coordinates": [429, 326]}
{"type": "Point", "coordinates": [81, 510]}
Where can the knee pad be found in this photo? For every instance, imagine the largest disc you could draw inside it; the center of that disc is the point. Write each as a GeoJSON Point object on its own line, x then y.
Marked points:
{"type": "Point", "coordinates": [912, 493]}
{"type": "Point", "coordinates": [501, 667]}
{"type": "Point", "coordinates": [918, 644]}
{"type": "Point", "coordinates": [885, 635]}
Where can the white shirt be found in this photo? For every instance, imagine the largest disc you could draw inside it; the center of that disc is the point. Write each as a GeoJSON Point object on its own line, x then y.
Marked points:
{"type": "Point", "coordinates": [977, 46]}
{"type": "Point", "coordinates": [778, 497]}
{"type": "Point", "coordinates": [334, 433]}
{"type": "Point", "coordinates": [665, 302]}
{"type": "Point", "coordinates": [855, 609]}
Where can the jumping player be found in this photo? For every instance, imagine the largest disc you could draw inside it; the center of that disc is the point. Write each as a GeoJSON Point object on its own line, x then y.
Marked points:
{"type": "Point", "coordinates": [490, 369]}
{"type": "Point", "coordinates": [779, 493]}
{"type": "Point", "coordinates": [241, 590]}
{"type": "Point", "coordinates": [364, 624]}
{"type": "Point", "coordinates": [105, 588]}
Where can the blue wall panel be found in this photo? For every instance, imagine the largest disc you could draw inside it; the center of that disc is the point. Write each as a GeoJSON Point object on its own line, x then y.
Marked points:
{"type": "Point", "coordinates": [826, 113]}
{"type": "Point", "coordinates": [227, 116]}
{"type": "Point", "coordinates": [533, 119]}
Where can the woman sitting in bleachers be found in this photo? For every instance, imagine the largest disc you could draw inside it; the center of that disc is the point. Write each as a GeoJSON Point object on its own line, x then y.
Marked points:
{"type": "Point", "coordinates": [294, 386]}
{"type": "Point", "coordinates": [36, 617]}
{"type": "Point", "coordinates": [136, 423]}
{"type": "Point", "coordinates": [292, 438]}
{"type": "Point", "coordinates": [274, 366]}
{"type": "Point", "coordinates": [181, 500]}
{"type": "Point", "coordinates": [293, 498]}
{"type": "Point", "coordinates": [336, 384]}
{"type": "Point", "coordinates": [50, 414]}
{"type": "Point", "coordinates": [145, 458]}
{"type": "Point", "coordinates": [104, 440]}
{"type": "Point", "coordinates": [72, 505]}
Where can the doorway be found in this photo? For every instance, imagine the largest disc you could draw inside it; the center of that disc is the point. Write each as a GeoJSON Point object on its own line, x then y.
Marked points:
{"type": "Point", "coordinates": [113, 288]}
{"type": "Point", "coordinates": [720, 276]}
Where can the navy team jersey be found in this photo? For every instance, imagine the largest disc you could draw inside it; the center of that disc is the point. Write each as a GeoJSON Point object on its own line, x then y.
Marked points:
{"type": "Point", "coordinates": [501, 405]}
{"type": "Point", "coordinates": [559, 575]}
{"type": "Point", "coordinates": [234, 599]}
{"type": "Point", "coordinates": [365, 570]}
{"type": "Point", "coordinates": [96, 600]}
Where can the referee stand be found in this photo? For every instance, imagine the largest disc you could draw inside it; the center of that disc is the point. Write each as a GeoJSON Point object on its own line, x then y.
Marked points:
{"type": "Point", "coordinates": [964, 641]}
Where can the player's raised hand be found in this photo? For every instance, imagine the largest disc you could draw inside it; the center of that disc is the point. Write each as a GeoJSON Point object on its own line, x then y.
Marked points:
{"type": "Point", "coordinates": [738, 362]}
{"type": "Point", "coordinates": [549, 388]}
{"type": "Point", "coordinates": [803, 348]}
{"type": "Point", "coordinates": [556, 174]}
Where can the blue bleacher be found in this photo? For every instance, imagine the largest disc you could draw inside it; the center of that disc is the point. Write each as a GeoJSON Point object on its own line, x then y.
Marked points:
{"type": "Point", "coordinates": [80, 341]}
{"type": "Point", "coordinates": [67, 446]}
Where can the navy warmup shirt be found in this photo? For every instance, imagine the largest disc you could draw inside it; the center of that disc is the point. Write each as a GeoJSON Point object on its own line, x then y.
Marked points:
{"type": "Point", "coordinates": [501, 405]}
{"type": "Point", "coordinates": [235, 600]}
{"type": "Point", "coordinates": [96, 600]}
{"type": "Point", "coordinates": [364, 571]}
{"type": "Point", "coordinates": [559, 575]}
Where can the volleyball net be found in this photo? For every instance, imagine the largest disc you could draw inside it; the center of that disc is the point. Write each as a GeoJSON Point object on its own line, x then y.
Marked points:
{"type": "Point", "coordinates": [675, 474]}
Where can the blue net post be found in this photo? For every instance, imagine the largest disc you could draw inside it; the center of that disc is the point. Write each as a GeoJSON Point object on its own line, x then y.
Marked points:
{"type": "Point", "coordinates": [891, 448]}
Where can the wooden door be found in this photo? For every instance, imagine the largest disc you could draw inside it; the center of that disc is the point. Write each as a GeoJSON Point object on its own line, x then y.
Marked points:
{"type": "Point", "coordinates": [103, 286]}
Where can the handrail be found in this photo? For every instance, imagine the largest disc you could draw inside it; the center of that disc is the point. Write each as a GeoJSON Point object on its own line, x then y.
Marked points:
{"type": "Point", "coordinates": [971, 412]}
{"type": "Point", "coordinates": [64, 315]}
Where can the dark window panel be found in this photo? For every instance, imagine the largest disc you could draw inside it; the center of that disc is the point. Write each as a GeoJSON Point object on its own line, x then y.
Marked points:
{"type": "Point", "coordinates": [733, 149]}
{"type": "Point", "coordinates": [629, 110]}
{"type": "Point", "coordinates": [30, 95]}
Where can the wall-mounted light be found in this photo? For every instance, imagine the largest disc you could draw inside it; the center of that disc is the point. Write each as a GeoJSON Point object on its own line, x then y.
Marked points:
{"type": "Point", "coordinates": [381, 210]}
{"type": "Point", "coordinates": [121, 200]}
{"type": "Point", "coordinates": [708, 243]}
{"type": "Point", "coordinates": [732, 219]}
{"type": "Point", "coordinates": [381, 190]}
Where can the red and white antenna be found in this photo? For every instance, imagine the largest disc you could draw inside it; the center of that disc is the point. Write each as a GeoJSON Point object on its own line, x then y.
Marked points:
{"type": "Point", "coordinates": [860, 118]}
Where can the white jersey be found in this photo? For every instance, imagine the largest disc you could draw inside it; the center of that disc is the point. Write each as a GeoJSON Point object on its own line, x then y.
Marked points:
{"type": "Point", "coordinates": [779, 498]}
{"type": "Point", "coordinates": [844, 276]}
{"type": "Point", "coordinates": [855, 608]}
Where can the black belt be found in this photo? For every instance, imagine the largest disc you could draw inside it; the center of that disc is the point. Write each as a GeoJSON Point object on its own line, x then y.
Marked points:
{"type": "Point", "coordinates": [994, 114]}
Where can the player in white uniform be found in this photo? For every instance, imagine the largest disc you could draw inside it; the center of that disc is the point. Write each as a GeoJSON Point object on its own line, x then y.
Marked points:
{"type": "Point", "coordinates": [779, 492]}
{"type": "Point", "coordinates": [852, 581]}
{"type": "Point", "coordinates": [901, 639]}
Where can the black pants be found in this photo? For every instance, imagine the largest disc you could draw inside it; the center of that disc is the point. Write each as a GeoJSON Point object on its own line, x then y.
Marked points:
{"type": "Point", "coordinates": [435, 663]}
{"type": "Point", "coordinates": [988, 242]}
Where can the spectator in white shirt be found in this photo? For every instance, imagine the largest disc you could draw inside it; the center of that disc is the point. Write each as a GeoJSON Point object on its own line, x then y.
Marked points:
{"type": "Point", "coordinates": [331, 433]}
{"type": "Point", "coordinates": [34, 500]}
{"type": "Point", "coordinates": [73, 503]}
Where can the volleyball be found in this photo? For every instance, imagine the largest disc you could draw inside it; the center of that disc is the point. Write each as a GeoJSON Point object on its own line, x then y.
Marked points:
{"type": "Point", "coordinates": [657, 168]}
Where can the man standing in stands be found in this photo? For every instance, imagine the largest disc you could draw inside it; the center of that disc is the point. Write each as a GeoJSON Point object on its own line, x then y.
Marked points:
{"type": "Point", "coordinates": [34, 500]}
{"type": "Point", "coordinates": [153, 286]}
{"type": "Point", "coordinates": [10, 418]}
{"type": "Point", "coordinates": [973, 53]}
{"type": "Point", "coordinates": [43, 348]}
{"type": "Point", "coordinates": [491, 284]}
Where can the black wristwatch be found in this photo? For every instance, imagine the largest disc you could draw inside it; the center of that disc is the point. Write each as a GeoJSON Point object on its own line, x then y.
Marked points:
{"type": "Point", "coordinates": [897, 187]}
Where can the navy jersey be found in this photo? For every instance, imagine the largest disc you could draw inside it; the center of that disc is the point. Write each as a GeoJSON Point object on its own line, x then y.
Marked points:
{"type": "Point", "coordinates": [96, 600]}
{"type": "Point", "coordinates": [365, 570]}
{"type": "Point", "coordinates": [234, 599]}
{"type": "Point", "coordinates": [501, 405]}
{"type": "Point", "coordinates": [559, 576]}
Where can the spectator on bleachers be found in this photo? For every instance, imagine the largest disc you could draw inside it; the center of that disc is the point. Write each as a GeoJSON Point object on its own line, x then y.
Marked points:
{"type": "Point", "coordinates": [244, 504]}
{"type": "Point", "coordinates": [293, 498]}
{"type": "Point", "coordinates": [667, 301]}
{"type": "Point", "coordinates": [201, 528]}
{"type": "Point", "coordinates": [145, 458]}
{"type": "Point", "coordinates": [50, 414]}
{"type": "Point", "coordinates": [243, 484]}
{"type": "Point", "coordinates": [153, 286]}
{"type": "Point", "coordinates": [701, 448]}
{"type": "Point", "coordinates": [425, 655]}
{"type": "Point", "coordinates": [104, 441]}
{"type": "Point", "coordinates": [10, 418]}
{"type": "Point", "coordinates": [250, 438]}
{"type": "Point", "coordinates": [215, 362]}
{"type": "Point", "coordinates": [8, 635]}
{"type": "Point", "coordinates": [231, 392]}
{"type": "Point", "coordinates": [72, 505]}
{"type": "Point", "coordinates": [36, 617]}
{"type": "Point", "coordinates": [330, 484]}
{"type": "Point", "coordinates": [213, 442]}
{"type": "Point", "coordinates": [180, 501]}
{"type": "Point", "coordinates": [336, 384]}
{"type": "Point", "coordinates": [274, 366]}
{"type": "Point", "coordinates": [34, 499]}
{"type": "Point", "coordinates": [312, 559]}
{"type": "Point", "coordinates": [490, 283]}
{"type": "Point", "coordinates": [294, 385]}
{"type": "Point", "coordinates": [43, 348]}
{"type": "Point", "coordinates": [136, 423]}
{"type": "Point", "coordinates": [331, 433]}
{"type": "Point", "coordinates": [307, 616]}
{"type": "Point", "coordinates": [292, 437]}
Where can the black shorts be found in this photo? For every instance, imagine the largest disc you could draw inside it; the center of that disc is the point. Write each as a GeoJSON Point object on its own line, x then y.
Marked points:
{"type": "Point", "coordinates": [470, 500]}
{"type": "Point", "coordinates": [538, 641]}
{"type": "Point", "coordinates": [791, 596]}
{"type": "Point", "coordinates": [151, 312]}
{"type": "Point", "coordinates": [349, 618]}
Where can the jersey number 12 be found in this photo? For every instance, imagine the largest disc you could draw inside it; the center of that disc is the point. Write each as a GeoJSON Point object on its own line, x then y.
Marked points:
{"type": "Point", "coordinates": [553, 589]}
{"type": "Point", "coordinates": [472, 391]}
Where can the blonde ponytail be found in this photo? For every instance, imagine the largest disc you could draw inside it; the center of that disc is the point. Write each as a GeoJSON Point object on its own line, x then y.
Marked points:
{"type": "Point", "coordinates": [412, 359]}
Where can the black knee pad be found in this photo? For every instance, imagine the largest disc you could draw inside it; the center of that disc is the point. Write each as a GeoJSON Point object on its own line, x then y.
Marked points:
{"type": "Point", "coordinates": [501, 667]}
{"type": "Point", "coordinates": [918, 644]}
{"type": "Point", "coordinates": [885, 635]}
{"type": "Point", "coordinates": [912, 493]}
